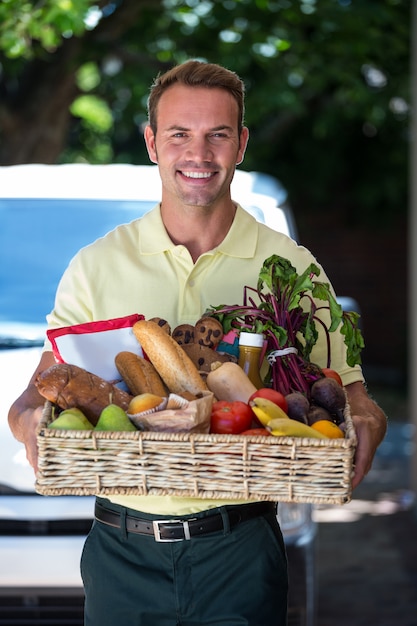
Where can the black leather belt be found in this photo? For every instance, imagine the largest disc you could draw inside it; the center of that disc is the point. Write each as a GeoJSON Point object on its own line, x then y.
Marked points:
{"type": "Point", "coordinates": [178, 530]}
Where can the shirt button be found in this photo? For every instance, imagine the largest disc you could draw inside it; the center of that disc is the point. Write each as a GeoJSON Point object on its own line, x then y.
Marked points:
{"type": "Point", "coordinates": [191, 283]}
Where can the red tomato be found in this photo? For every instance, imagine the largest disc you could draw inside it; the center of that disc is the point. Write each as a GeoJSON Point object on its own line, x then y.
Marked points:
{"type": "Point", "coordinates": [271, 394]}
{"type": "Point", "coordinates": [230, 417]}
{"type": "Point", "coordinates": [256, 432]}
{"type": "Point", "coordinates": [329, 373]}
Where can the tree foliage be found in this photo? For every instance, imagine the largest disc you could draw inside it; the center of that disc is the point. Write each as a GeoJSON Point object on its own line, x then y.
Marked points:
{"type": "Point", "coordinates": [327, 85]}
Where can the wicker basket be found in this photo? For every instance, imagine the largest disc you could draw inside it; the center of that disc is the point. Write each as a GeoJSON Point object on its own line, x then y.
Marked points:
{"type": "Point", "coordinates": [285, 469]}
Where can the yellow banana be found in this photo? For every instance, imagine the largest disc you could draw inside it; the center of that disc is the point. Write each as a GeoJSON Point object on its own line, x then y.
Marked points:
{"type": "Point", "coordinates": [266, 410]}
{"type": "Point", "coordinates": [286, 427]}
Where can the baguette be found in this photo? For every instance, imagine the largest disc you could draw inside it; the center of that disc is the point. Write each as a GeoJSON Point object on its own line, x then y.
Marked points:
{"type": "Point", "coordinates": [170, 361]}
{"type": "Point", "coordinates": [139, 374]}
{"type": "Point", "coordinates": [70, 386]}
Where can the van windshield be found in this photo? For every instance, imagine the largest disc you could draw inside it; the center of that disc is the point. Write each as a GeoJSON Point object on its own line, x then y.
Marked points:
{"type": "Point", "coordinates": [39, 237]}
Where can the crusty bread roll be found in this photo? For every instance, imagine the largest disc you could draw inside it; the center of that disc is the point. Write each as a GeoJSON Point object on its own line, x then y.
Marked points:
{"type": "Point", "coordinates": [139, 374]}
{"type": "Point", "coordinates": [71, 386]}
{"type": "Point", "coordinates": [170, 361]}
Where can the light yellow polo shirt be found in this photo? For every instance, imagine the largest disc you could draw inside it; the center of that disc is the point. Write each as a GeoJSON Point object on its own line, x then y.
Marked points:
{"type": "Point", "coordinates": [136, 268]}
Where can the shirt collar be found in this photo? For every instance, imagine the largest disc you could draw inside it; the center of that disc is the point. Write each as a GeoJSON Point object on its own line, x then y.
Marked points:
{"type": "Point", "coordinates": [240, 241]}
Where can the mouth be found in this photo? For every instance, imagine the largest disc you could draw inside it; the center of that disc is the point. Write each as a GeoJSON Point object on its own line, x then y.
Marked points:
{"type": "Point", "coordinates": [197, 175]}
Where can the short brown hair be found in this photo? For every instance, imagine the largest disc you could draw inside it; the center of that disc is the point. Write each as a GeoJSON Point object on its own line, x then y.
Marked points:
{"type": "Point", "coordinates": [197, 74]}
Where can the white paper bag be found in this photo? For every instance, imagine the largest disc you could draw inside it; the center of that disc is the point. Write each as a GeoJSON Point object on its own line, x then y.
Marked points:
{"type": "Point", "coordinates": [94, 345]}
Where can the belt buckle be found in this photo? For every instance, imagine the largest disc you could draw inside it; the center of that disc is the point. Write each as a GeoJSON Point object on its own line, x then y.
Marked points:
{"type": "Point", "coordinates": [157, 530]}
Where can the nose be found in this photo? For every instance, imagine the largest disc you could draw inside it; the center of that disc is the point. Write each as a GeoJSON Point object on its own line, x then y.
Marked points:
{"type": "Point", "coordinates": [199, 150]}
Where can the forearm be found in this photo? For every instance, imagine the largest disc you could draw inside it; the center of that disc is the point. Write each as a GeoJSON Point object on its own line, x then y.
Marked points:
{"type": "Point", "coordinates": [21, 411]}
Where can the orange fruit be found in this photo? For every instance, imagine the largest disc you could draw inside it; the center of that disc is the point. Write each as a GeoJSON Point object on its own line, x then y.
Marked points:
{"type": "Point", "coordinates": [328, 428]}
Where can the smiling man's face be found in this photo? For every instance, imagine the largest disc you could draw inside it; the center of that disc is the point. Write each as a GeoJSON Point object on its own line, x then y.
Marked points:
{"type": "Point", "coordinates": [197, 144]}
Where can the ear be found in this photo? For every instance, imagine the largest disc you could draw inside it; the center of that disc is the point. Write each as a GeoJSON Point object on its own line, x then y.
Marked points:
{"type": "Point", "coordinates": [243, 142]}
{"type": "Point", "coordinates": [150, 144]}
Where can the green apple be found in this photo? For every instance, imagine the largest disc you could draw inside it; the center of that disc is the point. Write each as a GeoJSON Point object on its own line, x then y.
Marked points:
{"type": "Point", "coordinates": [114, 418]}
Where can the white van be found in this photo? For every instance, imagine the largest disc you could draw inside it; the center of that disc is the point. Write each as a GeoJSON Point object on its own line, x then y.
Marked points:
{"type": "Point", "coordinates": [47, 212]}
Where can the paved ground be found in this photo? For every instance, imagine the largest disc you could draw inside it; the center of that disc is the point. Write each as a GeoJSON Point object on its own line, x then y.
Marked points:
{"type": "Point", "coordinates": [367, 549]}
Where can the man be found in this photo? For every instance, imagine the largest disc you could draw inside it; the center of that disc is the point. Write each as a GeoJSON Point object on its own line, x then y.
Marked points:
{"type": "Point", "coordinates": [194, 250]}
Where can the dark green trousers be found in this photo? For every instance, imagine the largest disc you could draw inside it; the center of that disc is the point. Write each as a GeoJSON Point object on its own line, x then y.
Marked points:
{"type": "Point", "coordinates": [232, 577]}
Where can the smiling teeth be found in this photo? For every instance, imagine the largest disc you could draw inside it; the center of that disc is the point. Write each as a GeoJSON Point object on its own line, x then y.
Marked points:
{"type": "Point", "coordinates": [197, 174]}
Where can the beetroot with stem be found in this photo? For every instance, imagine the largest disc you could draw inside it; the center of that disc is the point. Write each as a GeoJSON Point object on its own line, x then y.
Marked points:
{"type": "Point", "coordinates": [285, 308]}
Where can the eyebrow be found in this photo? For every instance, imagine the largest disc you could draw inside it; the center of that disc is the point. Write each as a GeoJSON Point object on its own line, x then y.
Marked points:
{"type": "Point", "coordinates": [214, 129]}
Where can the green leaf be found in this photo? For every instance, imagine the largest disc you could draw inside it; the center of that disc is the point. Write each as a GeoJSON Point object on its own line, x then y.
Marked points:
{"type": "Point", "coordinates": [353, 338]}
{"type": "Point", "coordinates": [276, 271]}
{"type": "Point", "coordinates": [310, 335]}
{"type": "Point", "coordinates": [301, 284]}
{"type": "Point", "coordinates": [280, 333]}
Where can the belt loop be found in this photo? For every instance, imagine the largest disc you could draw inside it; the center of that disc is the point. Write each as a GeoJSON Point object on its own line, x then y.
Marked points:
{"type": "Point", "coordinates": [225, 518]}
{"type": "Point", "coordinates": [123, 529]}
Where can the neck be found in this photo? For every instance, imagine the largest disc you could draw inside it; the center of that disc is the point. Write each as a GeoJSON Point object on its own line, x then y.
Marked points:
{"type": "Point", "coordinates": [199, 229]}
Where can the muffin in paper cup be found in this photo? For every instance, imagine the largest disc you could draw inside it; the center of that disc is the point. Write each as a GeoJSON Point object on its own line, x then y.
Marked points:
{"type": "Point", "coordinates": [158, 407]}
{"type": "Point", "coordinates": [176, 402]}
{"type": "Point", "coordinates": [178, 416]}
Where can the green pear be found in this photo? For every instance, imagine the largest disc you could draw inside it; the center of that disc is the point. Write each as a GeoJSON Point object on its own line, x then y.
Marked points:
{"type": "Point", "coordinates": [78, 413]}
{"type": "Point", "coordinates": [114, 418]}
{"type": "Point", "coordinates": [70, 420]}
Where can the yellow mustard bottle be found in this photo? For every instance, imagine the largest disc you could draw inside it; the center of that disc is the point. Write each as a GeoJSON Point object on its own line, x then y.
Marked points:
{"type": "Point", "coordinates": [250, 349]}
